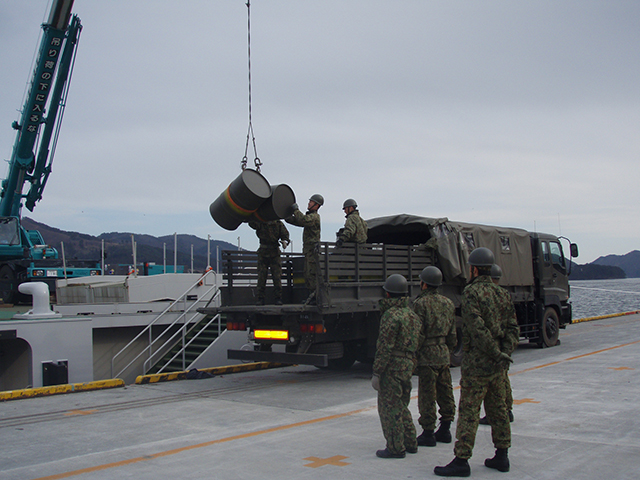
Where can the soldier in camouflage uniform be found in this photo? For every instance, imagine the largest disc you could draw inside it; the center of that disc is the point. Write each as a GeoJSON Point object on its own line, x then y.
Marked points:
{"type": "Point", "coordinates": [437, 339]}
{"type": "Point", "coordinates": [489, 337]}
{"type": "Point", "coordinates": [496, 274]}
{"type": "Point", "coordinates": [355, 228]}
{"type": "Point", "coordinates": [393, 367]}
{"type": "Point", "coordinates": [310, 221]}
{"type": "Point", "coordinates": [270, 234]}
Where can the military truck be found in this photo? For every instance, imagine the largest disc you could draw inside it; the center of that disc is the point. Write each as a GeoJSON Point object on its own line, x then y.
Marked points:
{"type": "Point", "coordinates": [341, 327]}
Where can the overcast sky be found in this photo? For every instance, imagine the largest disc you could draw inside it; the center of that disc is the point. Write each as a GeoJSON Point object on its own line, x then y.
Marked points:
{"type": "Point", "coordinates": [522, 114]}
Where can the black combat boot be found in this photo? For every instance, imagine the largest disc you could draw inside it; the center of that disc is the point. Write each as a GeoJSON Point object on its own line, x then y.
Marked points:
{"type": "Point", "coordinates": [459, 467]}
{"type": "Point", "coordinates": [500, 461]}
{"type": "Point", "coordinates": [388, 454]}
{"type": "Point", "coordinates": [427, 439]}
{"type": "Point", "coordinates": [443, 435]}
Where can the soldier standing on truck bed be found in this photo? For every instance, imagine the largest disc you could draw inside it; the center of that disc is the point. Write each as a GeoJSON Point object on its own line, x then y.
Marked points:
{"type": "Point", "coordinates": [270, 234]}
{"type": "Point", "coordinates": [310, 221]}
{"type": "Point", "coordinates": [393, 367]}
{"type": "Point", "coordinates": [437, 339]}
{"type": "Point", "coordinates": [355, 228]}
{"type": "Point", "coordinates": [489, 338]}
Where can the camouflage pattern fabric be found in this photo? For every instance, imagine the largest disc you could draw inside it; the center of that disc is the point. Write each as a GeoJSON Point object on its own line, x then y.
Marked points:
{"type": "Point", "coordinates": [435, 390]}
{"type": "Point", "coordinates": [437, 339]}
{"type": "Point", "coordinates": [270, 233]}
{"type": "Point", "coordinates": [310, 239]}
{"type": "Point", "coordinates": [507, 312]}
{"type": "Point", "coordinates": [393, 407]}
{"type": "Point", "coordinates": [489, 327]}
{"type": "Point", "coordinates": [438, 333]}
{"type": "Point", "coordinates": [310, 221]}
{"type": "Point", "coordinates": [473, 390]}
{"type": "Point", "coordinates": [355, 229]}
{"type": "Point", "coordinates": [394, 363]}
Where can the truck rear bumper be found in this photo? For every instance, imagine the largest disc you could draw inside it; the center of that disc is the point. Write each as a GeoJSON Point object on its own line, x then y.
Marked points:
{"type": "Point", "coordinates": [319, 360]}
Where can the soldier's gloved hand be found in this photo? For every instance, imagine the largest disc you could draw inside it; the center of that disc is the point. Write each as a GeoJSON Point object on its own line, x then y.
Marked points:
{"type": "Point", "coordinates": [339, 242]}
{"type": "Point", "coordinates": [294, 207]}
{"type": "Point", "coordinates": [505, 359]}
{"type": "Point", "coordinates": [375, 382]}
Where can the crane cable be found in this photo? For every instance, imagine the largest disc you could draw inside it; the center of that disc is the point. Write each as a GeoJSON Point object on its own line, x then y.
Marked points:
{"type": "Point", "coordinates": [250, 134]}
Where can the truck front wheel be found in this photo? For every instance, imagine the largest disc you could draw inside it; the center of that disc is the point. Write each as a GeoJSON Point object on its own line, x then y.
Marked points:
{"type": "Point", "coordinates": [550, 327]}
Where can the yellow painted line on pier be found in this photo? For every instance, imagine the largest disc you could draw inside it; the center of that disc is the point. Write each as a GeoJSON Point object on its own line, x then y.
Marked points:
{"type": "Point", "coordinates": [59, 389]}
{"type": "Point", "coordinates": [174, 451]}
{"type": "Point", "coordinates": [573, 358]}
{"type": "Point", "coordinates": [243, 367]}
{"type": "Point", "coordinates": [611, 315]}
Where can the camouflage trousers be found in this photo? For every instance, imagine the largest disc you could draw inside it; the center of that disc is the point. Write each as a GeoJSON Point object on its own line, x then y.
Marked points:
{"type": "Point", "coordinates": [311, 267]}
{"type": "Point", "coordinates": [269, 259]}
{"type": "Point", "coordinates": [435, 390]}
{"type": "Point", "coordinates": [473, 391]}
{"type": "Point", "coordinates": [508, 392]}
{"type": "Point", "coordinates": [393, 408]}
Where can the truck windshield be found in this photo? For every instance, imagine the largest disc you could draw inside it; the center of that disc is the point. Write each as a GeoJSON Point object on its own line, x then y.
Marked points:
{"type": "Point", "coordinates": [9, 231]}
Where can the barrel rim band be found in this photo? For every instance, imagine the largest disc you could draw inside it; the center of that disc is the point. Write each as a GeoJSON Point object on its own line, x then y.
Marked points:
{"type": "Point", "coordinates": [242, 211]}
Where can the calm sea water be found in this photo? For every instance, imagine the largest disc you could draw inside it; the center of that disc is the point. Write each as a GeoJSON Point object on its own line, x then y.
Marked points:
{"type": "Point", "coordinates": [591, 298]}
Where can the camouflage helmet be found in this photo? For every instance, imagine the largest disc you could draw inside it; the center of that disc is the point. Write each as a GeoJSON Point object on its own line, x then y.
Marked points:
{"type": "Point", "coordinates": [349, 202]}
{"type": "Point", "coordinates": [319, 199]}
{"type": "Point", "coordinates": [496, 271]}
{"type": "Point", "coordinates": [432, 276]}
{"type": "Point", "coordinates": [481, 257]}
{"type": "Point", "coordinates": [396, 283]}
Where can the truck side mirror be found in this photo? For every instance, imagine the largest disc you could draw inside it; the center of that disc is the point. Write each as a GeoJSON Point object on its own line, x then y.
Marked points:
{"type": "Point", "coordinates": [574, 250]}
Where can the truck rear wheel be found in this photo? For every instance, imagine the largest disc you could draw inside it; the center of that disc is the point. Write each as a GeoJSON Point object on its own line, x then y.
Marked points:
{"type": "Point", "coordinates": [550, 327]}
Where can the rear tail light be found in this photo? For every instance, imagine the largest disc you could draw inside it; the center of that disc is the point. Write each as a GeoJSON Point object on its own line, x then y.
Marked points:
{"type": "Point", "coordinates": [236, 326]}
{"type": "Point", "coordinates": [312, 328]}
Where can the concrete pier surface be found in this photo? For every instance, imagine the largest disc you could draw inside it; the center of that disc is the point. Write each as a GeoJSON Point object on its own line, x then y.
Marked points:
{"type": "Point", "coordinates": [577, 415]}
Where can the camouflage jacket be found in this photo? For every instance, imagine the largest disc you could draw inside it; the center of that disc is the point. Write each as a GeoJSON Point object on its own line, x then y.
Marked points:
{"type": "Point", "coordinates": [270, 233]}
{"type": "Point", "coordinates": [355, 229]}
{"type": "Point", "coordinates": [489, 326]}
{"type": "Point", "coordinates": [438, 334]}
{"type": "Point", "coordinates": [311, 223]}
{"type": "Point", "coordinates": [398, 336]}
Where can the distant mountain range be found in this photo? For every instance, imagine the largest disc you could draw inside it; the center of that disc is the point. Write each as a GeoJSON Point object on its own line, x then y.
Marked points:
{"type": "Point", "coordinates": [630, 262]}
{"type": "Point", "coordinates": [119, 250]}
{"type": "Point", "coordinates": [609, 266]}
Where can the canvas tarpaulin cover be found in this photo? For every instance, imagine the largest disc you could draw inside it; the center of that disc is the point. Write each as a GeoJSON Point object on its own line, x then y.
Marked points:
{"type": "Point", "coordinates": [453, 241]}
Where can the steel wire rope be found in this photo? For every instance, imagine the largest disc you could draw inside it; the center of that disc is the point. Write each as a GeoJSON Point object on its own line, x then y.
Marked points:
{"type": "Point", "coordinates": [250, 133]}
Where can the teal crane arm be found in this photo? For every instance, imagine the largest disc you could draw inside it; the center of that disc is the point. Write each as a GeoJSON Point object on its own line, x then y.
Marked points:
{"type": "Point", "coordinates": [47, 90]}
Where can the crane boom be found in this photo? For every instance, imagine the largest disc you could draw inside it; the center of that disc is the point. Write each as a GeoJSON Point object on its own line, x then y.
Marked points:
{"type": "Point", "coordinates": [24, 255]}
{"type": "Point", "coordinates": [50, 75]}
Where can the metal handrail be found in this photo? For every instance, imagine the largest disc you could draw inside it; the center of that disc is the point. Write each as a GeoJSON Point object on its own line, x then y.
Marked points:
{"type": "Point", "coordinates": [147, 363]}
{"type": "Point", "coordinates": [148, 328]}
{"type": "Point", "coordinates": [184, 347]}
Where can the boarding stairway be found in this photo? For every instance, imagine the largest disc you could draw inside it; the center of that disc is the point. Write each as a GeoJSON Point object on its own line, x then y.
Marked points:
{"type": "Point", "coordinates": [164, 347]}
{"type": "Point", "coordinates": [189, 348]}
